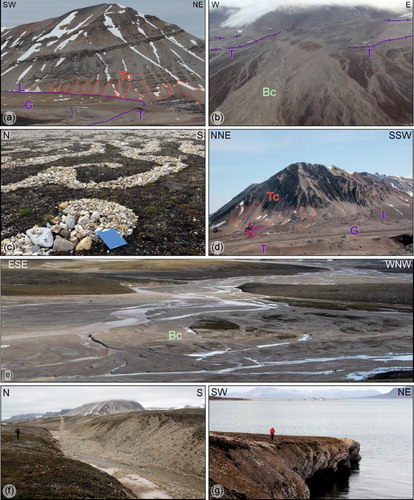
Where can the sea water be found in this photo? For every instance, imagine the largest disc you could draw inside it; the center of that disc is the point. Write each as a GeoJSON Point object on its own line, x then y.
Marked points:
{"type": "Point", "coordinates": [383, 427]}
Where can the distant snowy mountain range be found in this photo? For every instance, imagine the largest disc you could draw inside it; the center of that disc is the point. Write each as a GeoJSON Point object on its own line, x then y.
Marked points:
{"type": "Point", "coordinates": [334, 393]}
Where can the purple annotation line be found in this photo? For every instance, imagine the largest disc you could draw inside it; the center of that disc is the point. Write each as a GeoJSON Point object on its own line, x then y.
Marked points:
{"type": "Point", "coordinates": [72, 93]}
{"type": "Point", "coordinates": [113, 118]}
{"type": "Point", "coordinates": [379, 43]}
{"type": "Point", "coordinates": [223, 37]}
{"type": "Point", "coordinates": [398, 20]}
{"type": "Point", "coordinates": [250, 43]}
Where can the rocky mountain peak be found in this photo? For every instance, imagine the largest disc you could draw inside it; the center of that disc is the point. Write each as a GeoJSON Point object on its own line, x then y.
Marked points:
{"type": "Point", "coordinates": [309, 187]}
{"type": "Point", "coordinates": [94, 44]}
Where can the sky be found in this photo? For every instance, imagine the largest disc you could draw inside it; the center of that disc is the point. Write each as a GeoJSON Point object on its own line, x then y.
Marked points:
{"type": "Point", "coordinates": [248, 11]}
{"type": "Point", "coordinates": [252, 156]}
{"type": "Point", "coordinates": [33, 399]}
{"type": "Point", "coordinates": [180, 12]}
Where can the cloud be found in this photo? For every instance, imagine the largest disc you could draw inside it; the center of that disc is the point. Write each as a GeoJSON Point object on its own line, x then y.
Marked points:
{"type": "Point", "coordinates": [253, 10]}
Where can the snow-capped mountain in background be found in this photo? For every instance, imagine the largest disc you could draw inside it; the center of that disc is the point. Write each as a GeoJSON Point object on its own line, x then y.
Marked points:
{"type": "Point", "coordinates": [106, 408]}
{"type": "Point", "coordinates": [404, 184]}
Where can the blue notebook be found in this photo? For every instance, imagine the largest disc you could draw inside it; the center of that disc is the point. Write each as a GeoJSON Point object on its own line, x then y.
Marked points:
{"type": "Point", "coordinates": [111, 238]}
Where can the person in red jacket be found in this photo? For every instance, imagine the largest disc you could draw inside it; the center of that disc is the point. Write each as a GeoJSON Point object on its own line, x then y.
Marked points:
{"type": "Point", "coordinates": [272, 433]}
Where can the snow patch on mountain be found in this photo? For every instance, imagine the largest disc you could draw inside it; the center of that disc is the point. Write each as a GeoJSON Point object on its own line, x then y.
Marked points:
{"type": "Point", "coordinates": [65, 42]}
{"type": "Point", "coordinates": [7, 70]}
{"type": "Point", "coordinates": [182, 46]}
{"type": "Point", "coordinates": [58, 31]}
{"type": "Point", "coordinates": [34, 48]}
{"type": "Point", "coordinates": [155, 51]}
{"type": "Point", "coordinates": [18, 39]}
{"type": "Point", "coordinates": [24, 73]}
{"type": "Point", "coordinates": [115, 31]}
{"type": "Point", "coordinates": [153, 62]}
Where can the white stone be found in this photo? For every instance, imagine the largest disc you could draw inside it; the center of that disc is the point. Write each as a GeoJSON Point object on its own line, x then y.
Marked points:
{"type": "Point", "coordinates": [40, 236]}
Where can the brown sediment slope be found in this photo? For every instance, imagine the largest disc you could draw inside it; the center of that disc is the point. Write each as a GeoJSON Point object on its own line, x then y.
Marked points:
{"type": "Point", "coordinates": [156, 453]}
{"type": "Point", "coordinates": [252, 466]}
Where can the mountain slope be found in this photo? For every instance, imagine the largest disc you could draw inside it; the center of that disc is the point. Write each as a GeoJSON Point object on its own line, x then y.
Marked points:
{"type": "Point", "coordinates": [317, 77]}
{"type": "Point", "coordinates": [94, 45]}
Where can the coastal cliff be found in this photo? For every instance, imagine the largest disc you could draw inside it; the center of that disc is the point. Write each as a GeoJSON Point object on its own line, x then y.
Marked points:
{"type": "Point", "coordinates": [252, 466]}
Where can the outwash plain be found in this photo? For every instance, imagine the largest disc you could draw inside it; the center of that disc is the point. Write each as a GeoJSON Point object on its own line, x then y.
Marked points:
{"type": "Point", "coordinates": [114, 320]}
{"type": "Point", "coordinates": [64, 188]}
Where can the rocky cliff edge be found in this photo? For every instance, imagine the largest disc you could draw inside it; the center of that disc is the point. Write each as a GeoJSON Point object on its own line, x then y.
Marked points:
{"type": "Point", "coordinates": [252, 466]}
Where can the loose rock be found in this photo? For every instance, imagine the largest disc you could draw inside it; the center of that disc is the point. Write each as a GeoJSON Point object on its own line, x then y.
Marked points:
{"type": "Point", "coordinates": [84, 244]}
{"type": "Point", "coordinates": [62, 245]}
{"type": "Point", "coordinates": [41, 236]}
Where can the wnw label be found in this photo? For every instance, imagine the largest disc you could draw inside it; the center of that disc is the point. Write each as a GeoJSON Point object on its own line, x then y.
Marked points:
{"type": "Point", "coordinates": [398, 264]}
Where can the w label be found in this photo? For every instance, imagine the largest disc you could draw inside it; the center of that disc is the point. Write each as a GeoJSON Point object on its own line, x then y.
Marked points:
{"type": "Point", "coordinates": [215, 4]}
{"type": "Point", "coordinates": [398, 264]}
